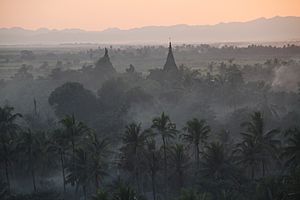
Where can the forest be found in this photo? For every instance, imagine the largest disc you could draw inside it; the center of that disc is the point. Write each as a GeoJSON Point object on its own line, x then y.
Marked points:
{"type": "Point", "coordinates": [224, 124]}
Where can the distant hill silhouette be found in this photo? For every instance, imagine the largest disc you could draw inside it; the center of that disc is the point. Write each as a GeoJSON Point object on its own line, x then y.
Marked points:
{"type": "Point", "coordinates": [262, 29]}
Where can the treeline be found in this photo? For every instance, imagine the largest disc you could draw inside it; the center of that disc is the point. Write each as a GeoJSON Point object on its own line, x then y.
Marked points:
{"type": "Point", "coordinates": [161, 161]}
{"type": "Point", "coordinates": [92, 133]}
{"type": "Point", "coordinates": [41, 61]}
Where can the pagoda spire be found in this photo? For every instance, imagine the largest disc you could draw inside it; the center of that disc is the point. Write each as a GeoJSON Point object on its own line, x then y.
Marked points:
{"type": "Point", "coordinates": [170, 64]}
{"type": "Point", "coordinates": [104, 63]}
{"type": "Point", "coordinates": [106, 52]}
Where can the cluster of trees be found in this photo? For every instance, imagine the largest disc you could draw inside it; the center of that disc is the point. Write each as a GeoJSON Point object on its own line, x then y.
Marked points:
{"type": "Point", "coordinates": [44, 59]}
{"type": "Point", "coordinates": [157, 162]}
{"type": "Point", "coordinates": [91, 134]}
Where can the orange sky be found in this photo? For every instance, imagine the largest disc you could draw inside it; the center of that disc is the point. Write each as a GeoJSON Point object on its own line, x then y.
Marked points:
{"type": "Point", "coordinates": [124, 14]}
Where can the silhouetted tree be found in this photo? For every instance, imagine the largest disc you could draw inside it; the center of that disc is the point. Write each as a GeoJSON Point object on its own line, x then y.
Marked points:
{"type": "Point", "coordinates": [292, 150]}
{"type": "Point", "coordinates": [153, 160]}
{"type": "Point", "coordinates": [196, 134]}
{"type": "Point", "coordinates": [179, 162]}
{"type": "Point", "coordinates": [30, 145]}
{"type": "Point", "coordinates": [134, 141]}
{"type": "Point", "coordinates": [166, 130]}
{"type": "Point", "coordinates": [263, 141]}
{"type": "Point", "coordinates": [73, 98]}
{"type": "Point", "coordinates": [8, 128]}
{"type": "Point", "coordinates": [59, 144]}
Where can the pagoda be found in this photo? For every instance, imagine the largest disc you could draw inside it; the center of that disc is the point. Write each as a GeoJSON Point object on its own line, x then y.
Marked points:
{"type": "Point", "coordinates": [104, 64]}
{"type": "Point", "coordinates": [170, 65]}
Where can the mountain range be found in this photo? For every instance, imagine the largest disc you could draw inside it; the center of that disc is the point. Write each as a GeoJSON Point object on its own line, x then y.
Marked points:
{"type": "Point", "coordinates": [258, 30]}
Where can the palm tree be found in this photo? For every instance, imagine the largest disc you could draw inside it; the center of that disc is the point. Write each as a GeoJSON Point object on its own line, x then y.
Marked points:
{"type": "Point", "coordinates": [8, 127]}
{"type": "Point", "coordinates": [98, 152]}
{"type": "Point", "coordinates": [59, 145]}
{"type": "Point", "coordinates": [219, 175]}
{"type": "Point", "coordinates": [273, 188]}
{"type": "Point", "coordinates": [197, 133]}
{"type": "Point", "coordinates": [74, 131]}
{"type": "Point", "coordinates": [152, 158]}
{"type": "Point", "coordinates": [179, 162]}
{"type": "Point", "coordinates": [89, 163]}
{"type": "Point", "coordinates": [134, 141]}
{"type": "Point", "coordinates": [264, 141]}
{"type": "Point", "coordinates": [30, 145]}
{"type": "Point", "coordinates": [166, 129]}
{"type": "Point", "coordinates": [292, 150]}
{"type": "Point", "coordinates": [248, 155]}
{"type": "Point", "coordinates": [78, 172]}
{"type": "Point", "coordinates": [216, 163]}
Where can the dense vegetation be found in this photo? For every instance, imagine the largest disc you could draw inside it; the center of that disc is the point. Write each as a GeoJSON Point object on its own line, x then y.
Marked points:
{"type": "Point", "coordinates": [227, 132]}
{"type": "Point", "coordinates": [157, 162]}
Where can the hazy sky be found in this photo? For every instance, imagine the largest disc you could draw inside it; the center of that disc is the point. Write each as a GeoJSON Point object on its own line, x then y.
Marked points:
{"type": "Point", "coordinates": [124, 14]}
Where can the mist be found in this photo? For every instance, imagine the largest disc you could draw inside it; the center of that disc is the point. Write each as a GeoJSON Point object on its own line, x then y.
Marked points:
{"type": "Point", "coordinates": [172, 121]}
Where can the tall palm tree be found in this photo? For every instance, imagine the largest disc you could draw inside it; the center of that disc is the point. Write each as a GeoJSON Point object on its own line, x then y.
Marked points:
{"type": "Point", "coordinates": [134, 141]}
{"type": "Point", "coordinates": [263, 140]}
{"type": "Point", "coordinates": [218, 173]}
{"type": "Point", "coordinates": [98, 150]}
{"type": "Point", "coordinates": [292, 150]}
{"type": "Point", "coordinates": [179, 162]}
{"type": "Point", "coordinates": [196, 134]}
{"type": "Point", "coordinates": [30, 145]}
{"type": "Point", "coordinates": [74, 130]}
{"type": "Point", "coordinates": [8, 127]}
{"type": "Point", "coordinates": [78, 172]}
{"type": "Point", "coordinates": [216, 163]}
{"type": "Point", "coordinates": [248, 155]}
{"type": "Point", "coordinates": [153, 159]}
{"type": "Point", "coordinates": [89, 163]}
{"type": "Point", "coordinates": [59, 144]}
{"type": "Point", "coordinates": [167, 130]}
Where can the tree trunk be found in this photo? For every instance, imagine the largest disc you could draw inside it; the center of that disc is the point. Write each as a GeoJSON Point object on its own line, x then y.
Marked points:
{"type": "Point", "coordinates": [263, 168]}
{"type": "Point", "coordinates": [153, 187]}
{"type": "Point", "coordinates": [33, 179]}
{"type": "Point", "coordinates": [84, 192]}
{"type": "Point", "coordinates": [7, 175]}
{"type": "Point", "coordinates": [63, 170]}
{"type": "Point", "coordinates": [6, 165]}
{"type": "Point", "coordinates": [180, 181]}
{"type": "Point", "coordinates": [73, 155]}
{"type": "Point", "coordinates": [32, 168]}
{"type": "Point", "coordinates": [137, 171]}
{"type": "Point", "coordinates": [165, 168]}
{"type": "Point", "coordinates": [197, 156]}
{"type": "Point", "coordinates": [137, 180]}
{"type": "Point", "coordinates": [252, 173]}
{"type": "Point", "coordinates": [96, 181]}
{"type": "Point", "coordinates": [73, 150]}
{"type": "Point", "coordinates": [32, 171]}
{"type": "Point", "coordinates": [153, 178]}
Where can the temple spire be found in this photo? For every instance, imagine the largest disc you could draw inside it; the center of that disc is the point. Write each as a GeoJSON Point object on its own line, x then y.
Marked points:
{"type": "Point", "coordinates": [106, 52]}
{"type": "Point", "coordinates": [170, 64]}
{"type": "Point", "coordinates": [104, 63]}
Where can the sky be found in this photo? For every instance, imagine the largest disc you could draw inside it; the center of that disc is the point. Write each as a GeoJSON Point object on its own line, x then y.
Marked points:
{"type": "Point", "coordinates": [125, 14]}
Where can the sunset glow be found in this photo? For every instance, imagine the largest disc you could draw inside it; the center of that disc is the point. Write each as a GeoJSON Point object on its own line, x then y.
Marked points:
{"type": "Point", "coordinates": [125, 14]}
